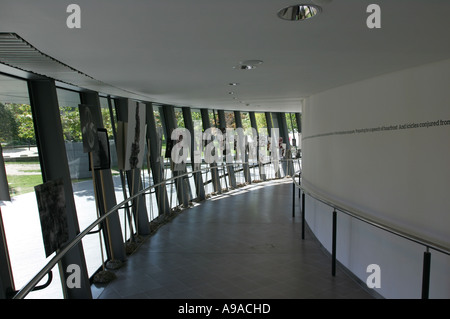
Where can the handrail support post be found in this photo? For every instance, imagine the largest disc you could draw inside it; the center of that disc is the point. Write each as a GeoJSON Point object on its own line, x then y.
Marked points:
{"type": "Point", "coordinates": [333, 249]}
{"type": "Point", "coordinates": [293, 200]}
{"type": "Point", "coordinates": [303, 215]}
{"type": "Point", "coordinates": [426, 274]}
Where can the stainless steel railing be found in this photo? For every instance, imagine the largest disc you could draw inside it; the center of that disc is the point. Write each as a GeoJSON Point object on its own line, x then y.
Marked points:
{"type": "Point", "coordinates": [25, 290]}
{"type": "Point", "coordinates": [358, 214]}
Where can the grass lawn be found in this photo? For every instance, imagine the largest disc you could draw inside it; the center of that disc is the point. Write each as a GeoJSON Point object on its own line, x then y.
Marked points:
{"type": "Point", "coordinates": [21, 184]}
{"type": "Point", "coordinates": [24, 183]}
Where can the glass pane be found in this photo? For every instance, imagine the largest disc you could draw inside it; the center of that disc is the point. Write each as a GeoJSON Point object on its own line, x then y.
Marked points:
{"type": "Point", "coordinates": [213, 118]}
{"type": "Point", "coordinates": [170, 188]}
{"type": "Point", "coordinates": [106, 117]}
{"type": "Point", "coordinates": [245, 118]}
{"type": "Point", "coordinates": [117, 180]}
{"type": "Point", "coordinates": [82, 182]}
{"type": "Point", "coordinates": [230, 123]}
{"type": "Point", "coordinates": [190, 179]}
{"type": "Point", "coordinates": [229, 119]}
{"type": "Point", "coordinates": [198, 128]}
{"type": "Point", "coordinates": [160, 128]}
{"type": "Point", "coordinates": [291, 123]}
{"type": "Point", "coordinates": [197, 120]}
{"type": "Point", "coordinates": [261, 123]}
{"type": "Point", "coordinates": [292, 131]}
{"type": "Point", "coordinates": [21, 220]}
{"type": "Point", "coordinates": [179, 117]}
{"type": "Point", "coordinates": [270, 119]}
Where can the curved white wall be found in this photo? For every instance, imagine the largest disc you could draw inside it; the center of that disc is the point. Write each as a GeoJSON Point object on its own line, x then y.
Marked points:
{"type": "Point", "coordinates": [367, 145]}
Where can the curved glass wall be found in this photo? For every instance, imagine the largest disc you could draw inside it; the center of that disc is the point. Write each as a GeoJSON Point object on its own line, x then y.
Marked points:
{"type": "Point", "coordinates": [213, 118]}
{"type": "Point", "coordinates": [20, 216]}
{"type": "Point", "coordinates": [165, 156]}
{"type": "Point", "coordinates": [294, 139]}
{"type": "Point", "coordinates": [261, 123]}
{"type": "Point", "coordinates": [189, 165]}
{"type": "Point", "coordinates": [16, 134]}
{"type": "Point", "coordinates": [82, 182]}
{"type": "Point", "coordinates": [229, 119]}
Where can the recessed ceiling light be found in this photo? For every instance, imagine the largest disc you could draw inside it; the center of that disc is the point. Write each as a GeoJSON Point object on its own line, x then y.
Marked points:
{"type": "Point", "coordinates": [244, 67]}
{"type": "Point", "coordinates": [248, 64]}
{"type": "Point", "coordinates": [299, 12]}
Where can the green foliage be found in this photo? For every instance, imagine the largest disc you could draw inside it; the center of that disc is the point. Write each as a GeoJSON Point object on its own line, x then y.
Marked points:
{"type": "Point", "coordinates": [8, 125]}
{"type": "Point", "coordinates": [245, 118]}
{"type": "Point", "coordinates": [213, 118]}
{"type": "Point", "coordinates": [16, 126]}
{"type": "Point", "coordinates": [24, 119]}
{"type": "Point", "coordinates": [196, 115]}
{"type": "Point", "coordinates": [261, 123]}
{"type": "Point", "coordinates": [179, 117]}
{"type": "Point", "coordinates": [197, 120]}
{"type": "Point", "coordinates": [107, 122]}
{"type": "Point", "coordinates": [70, 120]}
{"type": "Point", "coordinates": [291, 122]}
{"type": "Point", "coordinates": [229, 119]}
{"type": "Point", "coordinates": [157, 115]}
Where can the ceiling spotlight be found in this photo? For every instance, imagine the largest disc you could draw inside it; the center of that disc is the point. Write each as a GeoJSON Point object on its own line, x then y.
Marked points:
{"type": "Point", "coordinates": [299, 12]}
{"type": "Point", "coordinates": [233, 84]}
{"type": "Point", "coordinates": [244, 67]}
{"type": "Point", "coordinates": [248, 64]}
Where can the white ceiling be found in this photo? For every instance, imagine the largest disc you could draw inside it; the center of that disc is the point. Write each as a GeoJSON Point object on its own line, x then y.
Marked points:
{"type": "Point", "coordinates": [182, 52]}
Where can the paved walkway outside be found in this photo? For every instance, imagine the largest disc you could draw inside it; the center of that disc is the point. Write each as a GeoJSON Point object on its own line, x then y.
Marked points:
{"type": "Point", "coordinates": [20, 152]}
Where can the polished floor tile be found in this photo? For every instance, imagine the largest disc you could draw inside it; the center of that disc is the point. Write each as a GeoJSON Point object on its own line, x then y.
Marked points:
{"type": "Point", "coordinates": [242, 244]}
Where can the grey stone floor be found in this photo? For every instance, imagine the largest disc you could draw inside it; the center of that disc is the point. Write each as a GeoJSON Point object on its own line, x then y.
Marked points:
{"type": "Point", "coordinates": [244, 244]}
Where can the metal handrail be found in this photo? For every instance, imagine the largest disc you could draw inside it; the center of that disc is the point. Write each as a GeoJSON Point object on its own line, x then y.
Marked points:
{"type": "Point", "coordinates": [76, 240]}
{"type": "Point", "coordinates": [355, 213]}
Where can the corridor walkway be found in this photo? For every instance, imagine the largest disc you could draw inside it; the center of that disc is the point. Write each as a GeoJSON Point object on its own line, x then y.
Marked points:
{"type": "Point", "coordinates": [243, 244]}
